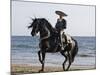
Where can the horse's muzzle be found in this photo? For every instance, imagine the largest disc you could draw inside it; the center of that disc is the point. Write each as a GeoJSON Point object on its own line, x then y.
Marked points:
{"type": "Point", "coordinates": [32, 34]}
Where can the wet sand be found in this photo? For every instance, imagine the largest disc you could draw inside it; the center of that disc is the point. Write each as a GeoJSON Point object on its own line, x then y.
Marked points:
{"type": "Point", "coordinates": [28, 69]}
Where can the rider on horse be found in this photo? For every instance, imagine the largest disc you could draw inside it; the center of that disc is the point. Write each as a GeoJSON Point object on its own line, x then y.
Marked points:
{"type": "Point", "coordinates": [60, 26]}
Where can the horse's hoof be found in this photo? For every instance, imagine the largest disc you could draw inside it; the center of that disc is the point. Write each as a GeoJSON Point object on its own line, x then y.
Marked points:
{"type": "Point", "coordinates": [64, 69]}
{"type": "Point", "coordinates": [67, 69]}
{"type": "Point", "coordinates": [40, 71]}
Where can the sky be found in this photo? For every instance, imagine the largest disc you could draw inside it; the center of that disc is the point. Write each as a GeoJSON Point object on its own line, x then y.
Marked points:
{"type": "Point", "coordinates": [80, 19]}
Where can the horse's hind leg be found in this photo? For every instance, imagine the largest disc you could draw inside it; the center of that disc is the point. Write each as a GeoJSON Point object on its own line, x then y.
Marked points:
{"type": "Point", "coordinates": [63, 53]}
{"type": "Point", "coordinates": [70, 61]}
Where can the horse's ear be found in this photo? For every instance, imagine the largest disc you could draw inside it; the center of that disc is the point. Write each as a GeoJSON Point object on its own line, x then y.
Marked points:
{"type": "Point", "coordinates": [32, 19]}
{"type": "Point", "coordinates": [35, 17]}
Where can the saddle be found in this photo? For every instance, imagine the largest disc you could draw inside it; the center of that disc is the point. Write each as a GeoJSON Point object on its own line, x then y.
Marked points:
{"type": "Point", "coordinates": [54, 41]}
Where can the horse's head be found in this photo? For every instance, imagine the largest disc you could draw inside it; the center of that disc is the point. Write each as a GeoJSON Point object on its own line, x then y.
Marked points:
{"type": "Point", "coordinates": [40, 25]}
{"type": "Point", "coordinates": [35, 26]}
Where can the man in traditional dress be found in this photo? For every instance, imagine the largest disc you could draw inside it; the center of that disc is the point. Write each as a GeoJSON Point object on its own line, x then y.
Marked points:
{"type": "Point", "coordinates": [60, 26]}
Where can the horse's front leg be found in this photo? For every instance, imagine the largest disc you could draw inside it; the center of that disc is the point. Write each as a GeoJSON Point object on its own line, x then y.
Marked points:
{"type": "Point", "coordinates": [42, 61]}
{"type": "Point", "coordinates": [39, 55]}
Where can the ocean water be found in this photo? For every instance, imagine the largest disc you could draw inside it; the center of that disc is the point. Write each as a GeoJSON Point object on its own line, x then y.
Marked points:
{"type": "Point", "coordinates": [24, 51]}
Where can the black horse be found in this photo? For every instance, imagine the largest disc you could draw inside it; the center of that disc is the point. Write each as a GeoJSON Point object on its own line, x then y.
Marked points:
{"type": "Point", "coordinates": [48, 42]}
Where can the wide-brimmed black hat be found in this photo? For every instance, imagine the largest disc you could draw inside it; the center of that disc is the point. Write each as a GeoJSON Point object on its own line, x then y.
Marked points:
{"type": "Point", "coordinates": [60, 13]}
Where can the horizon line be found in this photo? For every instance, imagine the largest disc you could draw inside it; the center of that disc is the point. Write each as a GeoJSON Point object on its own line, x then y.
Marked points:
{"type": "Point", "coordinates": [71, 35]}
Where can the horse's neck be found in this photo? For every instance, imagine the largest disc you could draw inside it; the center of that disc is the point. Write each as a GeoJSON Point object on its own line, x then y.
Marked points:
{"type": "Point", "coordinates": [50, 28]}
{"type": "Point", "coordinates": [44, 33]}
{"type": "Point", "coordinates": [46, 30]}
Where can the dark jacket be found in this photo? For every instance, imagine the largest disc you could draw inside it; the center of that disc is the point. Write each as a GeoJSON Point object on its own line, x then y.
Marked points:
{"type": "Point", "coordinates": [60, 24]}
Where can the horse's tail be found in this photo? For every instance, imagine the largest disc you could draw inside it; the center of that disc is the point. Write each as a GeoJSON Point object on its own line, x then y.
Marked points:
{"type": "Point", "coordinates": [75, 50]}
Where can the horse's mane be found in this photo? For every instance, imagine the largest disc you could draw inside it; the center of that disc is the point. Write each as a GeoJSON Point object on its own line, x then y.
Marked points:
{"type": "Point", "coordinates": [49, 26]}
{"type": "Point", "coordinates": [43, 20]}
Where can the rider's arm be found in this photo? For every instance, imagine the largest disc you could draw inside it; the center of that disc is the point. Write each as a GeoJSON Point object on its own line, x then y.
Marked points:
{"type": "Point", "coordinates": [64, 23]}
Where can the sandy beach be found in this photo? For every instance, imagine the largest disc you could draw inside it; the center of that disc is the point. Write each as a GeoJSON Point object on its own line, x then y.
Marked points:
{"type": "Point", "coordinates": [24, 69]}
{"type": "Point", "coordinates": [24, 59]}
